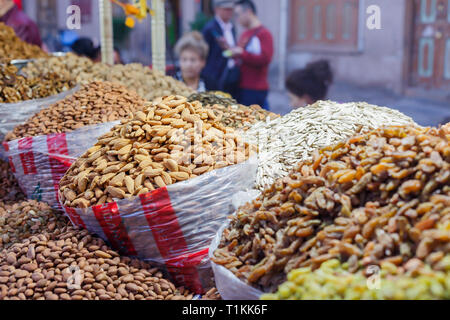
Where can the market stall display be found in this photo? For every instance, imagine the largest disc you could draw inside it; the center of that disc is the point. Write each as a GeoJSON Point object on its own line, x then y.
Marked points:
{"type": "Point", "coordinates": [149, 84]}
{"type": "Point", "coordinates": [15, 87]}
{"type": "Point", "coordinates": [96, 103]}
{"type": "Point", "coordinates": [159, 185]}
{"type": "Point", "coordinates": [23, 219]}
{"type": "Point", "coordinates": [43, 148]}
{"type": "Point", "coordinates": [333, 281]}
{"type": "Point", "coordinates": [77, 266]}
{"type": "Point", "coordinates": [12, 47]}
{"type": "Point", "coordinates": [151, 151]}
{"type": "Point", "coordinates": [286, 141]}
{"type": "Point", "coordinates": [382, 197]}
{"type": "Point", "coordinates": [9, 188]}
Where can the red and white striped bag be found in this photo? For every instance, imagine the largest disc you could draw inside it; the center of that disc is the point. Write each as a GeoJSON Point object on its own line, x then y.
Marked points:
{"type": "Point", "coordinates": [172, 226]}
{"type": "Point", "coordinates": [39, 163]}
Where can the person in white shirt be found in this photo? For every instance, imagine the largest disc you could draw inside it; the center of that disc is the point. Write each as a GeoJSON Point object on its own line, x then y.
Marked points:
{"type": "Point", "coordinates": [220, 34]}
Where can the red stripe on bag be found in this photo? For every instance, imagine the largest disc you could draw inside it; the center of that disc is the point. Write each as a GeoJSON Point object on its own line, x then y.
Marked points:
{"type": "Point", "coordinates": [57, 145]}
{"type": "Point", "coordinates": [109, 219]}
{"type": "Point", "coordinates": [6, 146]}
{"type": "Point", "coordinates": [75, 217]}
{"type": "Point", "coordinates": [27, 158]}
{"type": "Point", "coordinates": [183, 269]}
{"type": "Point", "coordinates": [170, 239]}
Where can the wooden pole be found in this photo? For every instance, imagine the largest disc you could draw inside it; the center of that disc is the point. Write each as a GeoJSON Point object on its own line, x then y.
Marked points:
{"type": "Point", "coordinates": [159, 36]}
{"type": "Point", "coordinates": [106, 31]}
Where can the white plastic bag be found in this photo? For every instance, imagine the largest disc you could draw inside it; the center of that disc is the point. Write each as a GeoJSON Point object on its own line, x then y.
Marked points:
{"type": "Point", "coordinates": [229, 286]}
{"type": "Point", "coordinates": [14, 114]}
{"type": "Point", "coordinates": [39, 163]}
{"type": "Point", "coordinates": [172, 226]}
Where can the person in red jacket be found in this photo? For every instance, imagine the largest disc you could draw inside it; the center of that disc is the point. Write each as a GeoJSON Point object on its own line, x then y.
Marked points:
{"type": "Point", "coordinates": [23, 26]}
{"type": "Point", "coordinates": [254, 52]}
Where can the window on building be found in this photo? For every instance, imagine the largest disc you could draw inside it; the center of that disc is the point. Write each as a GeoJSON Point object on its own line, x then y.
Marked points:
{"type": "Point", "coordinates": [324, 25]}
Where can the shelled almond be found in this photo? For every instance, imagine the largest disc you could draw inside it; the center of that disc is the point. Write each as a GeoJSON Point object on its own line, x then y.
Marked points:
{"type": "Point", "coordinates": [170, 141]}
{"type": "Point", "coordinates": [24, 219]}
{"type": "Point", "coordinates": [77, 266]}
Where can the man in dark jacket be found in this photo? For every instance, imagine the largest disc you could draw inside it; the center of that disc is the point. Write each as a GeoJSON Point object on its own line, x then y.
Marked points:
{"type": "Point", "coordinates": [220, 35]}
{"type": "Point", "coordinates": [23, 26]}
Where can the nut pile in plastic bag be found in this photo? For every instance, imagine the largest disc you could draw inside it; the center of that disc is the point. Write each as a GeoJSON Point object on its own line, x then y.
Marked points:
{"type": "Point", "coordinates": [12, 47]}
{"type": "Point", "coordinates": [77, 266]}
{"type": "Point", "coordinates": [98, 102]}
{"type": "Point", "coordinates": [21, 220]}
{"type": "Point", "coordinates": [15, 88]}
{"type": "Point", "coordinates": [168, 142]}
{"type": "Point", "coordinates": [232, 114]}
{"type": "Point", "coordinates": [149, 84]}
{"type": "Point", "coordinates": [9, 188]}
{"type": "Point", "coordinates": [285, 141]}
{"type": "Point", "coordinates": [379, 197]}
{"type": "Point", "coordinates": [333, 281]}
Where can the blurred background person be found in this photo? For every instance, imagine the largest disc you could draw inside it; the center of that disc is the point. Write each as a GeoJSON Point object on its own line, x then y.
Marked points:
{"type": "Point", "coordinates": [23, 26]}
{"type": "Point", "coordinates": [255, 52]}
{"type": "Point", "coordinates": [117, 55]}
{"type": "Point", "coordinates": [308, 85]}
{"type": "Point", "coordinates": [220, 34]}
{"type": "Point", "coordinates": [84, 47]}
{"type": "Point", "coordinates": [192, 51]}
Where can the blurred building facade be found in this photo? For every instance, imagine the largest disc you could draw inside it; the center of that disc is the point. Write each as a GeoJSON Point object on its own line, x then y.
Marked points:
{"type": "Point", "coordinates": [409, 54]}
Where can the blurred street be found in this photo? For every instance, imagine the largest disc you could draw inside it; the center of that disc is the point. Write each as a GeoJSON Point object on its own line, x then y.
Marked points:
{"type": "Point", "coordinates": [424, 112]}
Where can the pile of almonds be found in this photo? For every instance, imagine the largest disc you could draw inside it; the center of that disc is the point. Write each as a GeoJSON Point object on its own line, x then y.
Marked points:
{"type": "Point", "coordinates": [382, 197]}
{"type": "Point", "coordinates": [15, 88]}
{"type": "Point", "coordinates": [148, 83]}
{"type": "Point", "coordinates": [77, 266]}
{"type": "Point", "coordinates": [9, 188]}
{"type": "Point", "coordinates": [98, 102]}
{"type": "Point", "coordinates": [170, 141]}
{"type": "Point", "coordinates": [12, 47]}
{"type": "Point", "coordinates": [21, 220]}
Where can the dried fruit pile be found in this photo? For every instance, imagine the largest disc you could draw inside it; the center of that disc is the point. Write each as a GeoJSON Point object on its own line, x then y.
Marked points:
{"type": "Point", "coordinates": [230, 113]}
{"type": "Point", "coordinates": [15, 88]}
{"type": "Point", "coordinates": [379, 197]}
{"type": "Point", "coordinates": [12, 47]}
{"type": "Point", "coordinates": [21, 220]}
{"type": "Point", "coordinates": [96, 103]}
{"type": "Point", "coordinates": [333, 281]}
{"type": "Point", "coordinates": [286, 141]}
{"type": "Point", "coordinates": [9, 188]}
{"type": "Point", "coordinates": [171, 141]}
{"type": "Point", "coordinates": [149, 84]}
{"type": "Point", "coordinates": [77, 266]}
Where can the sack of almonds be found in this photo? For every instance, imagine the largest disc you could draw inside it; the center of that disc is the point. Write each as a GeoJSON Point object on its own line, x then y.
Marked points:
{"type": "Point", "coordinates": [159, 185]}
{"type": "Point", "coordinates": [43, 148]}
{"type": "Point", "coordinates": [378, 200]}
